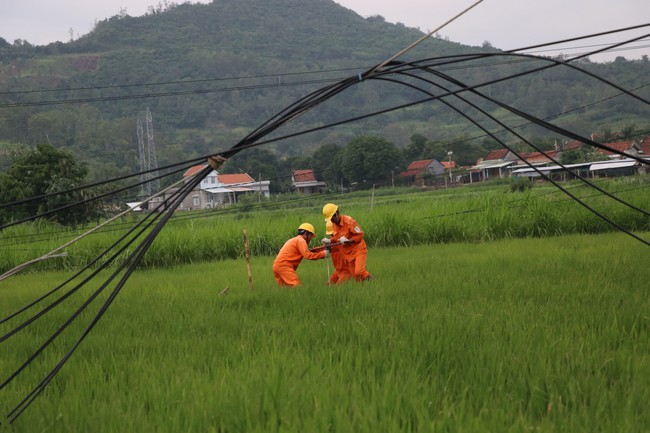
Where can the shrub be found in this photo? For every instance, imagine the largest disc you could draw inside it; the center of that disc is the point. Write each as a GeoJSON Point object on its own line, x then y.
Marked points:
{"type": "Point", "coordinates": [521, 184]}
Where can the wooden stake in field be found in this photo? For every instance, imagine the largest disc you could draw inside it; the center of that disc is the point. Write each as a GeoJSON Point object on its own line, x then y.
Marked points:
{"type": "Point", "coordinates": [248, 261]}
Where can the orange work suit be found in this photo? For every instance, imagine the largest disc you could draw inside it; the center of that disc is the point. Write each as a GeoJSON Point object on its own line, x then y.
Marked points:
{"type": "Point", "coordinates": [288, 259]}
{"type": "Point", "coordinates": [354, 253]}
{"type": "Point", "coordinates": [341, 269]}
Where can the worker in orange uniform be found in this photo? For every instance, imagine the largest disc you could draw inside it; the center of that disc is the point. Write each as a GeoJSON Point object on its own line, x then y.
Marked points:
{"type": "Point", "coordinates": [341, 272]}
{"type": "Point", "coordinates": [353, 248]}
{"type": "Point", "coordinates": [292, 253]}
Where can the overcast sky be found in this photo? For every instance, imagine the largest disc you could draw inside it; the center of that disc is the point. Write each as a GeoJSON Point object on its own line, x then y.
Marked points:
{"type": "Point", "coordinates": [506, 24]}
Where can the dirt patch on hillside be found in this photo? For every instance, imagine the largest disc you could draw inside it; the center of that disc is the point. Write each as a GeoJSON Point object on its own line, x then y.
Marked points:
{"type": "Point", "coordinates": [85, 63]}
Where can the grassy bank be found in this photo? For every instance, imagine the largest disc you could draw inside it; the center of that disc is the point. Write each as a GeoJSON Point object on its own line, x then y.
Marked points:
{"type": "Point", "coordinates": [540, 335]}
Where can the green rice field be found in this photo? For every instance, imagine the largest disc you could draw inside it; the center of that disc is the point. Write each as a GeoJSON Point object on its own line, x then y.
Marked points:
{"type": "Point", "coordinates": [531, 334]}
{"type": "Point", "coordinates": [389, 217]}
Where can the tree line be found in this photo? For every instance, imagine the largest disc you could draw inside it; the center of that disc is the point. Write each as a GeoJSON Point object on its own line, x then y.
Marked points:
{"type": "Point", "coordinates": [363, 162]}
{"type": "Point", "coordinates": [40, 171]}
{"type": "Point", "coordinates": [212, 72]}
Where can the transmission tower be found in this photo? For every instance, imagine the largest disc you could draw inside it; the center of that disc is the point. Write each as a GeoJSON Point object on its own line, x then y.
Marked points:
{"type": "Point", "coordinates": [153, 162]}
{"type": "Point", "coordinates": [148, 161]}
{"type": "Point", "coordinates": [145, 187]}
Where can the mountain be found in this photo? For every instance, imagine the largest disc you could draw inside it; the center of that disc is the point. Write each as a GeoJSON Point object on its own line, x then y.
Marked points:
{"type": "Point", "coordinates": [210, 73]}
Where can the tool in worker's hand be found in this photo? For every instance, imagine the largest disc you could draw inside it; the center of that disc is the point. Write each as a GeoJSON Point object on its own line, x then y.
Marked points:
{"type": "Point", "coordinates": [322, 247]}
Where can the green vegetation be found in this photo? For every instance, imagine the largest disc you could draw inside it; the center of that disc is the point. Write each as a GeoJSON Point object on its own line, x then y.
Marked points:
{"type": "Point", "coordinates": [395, 217]}
{"type": "Point", "coordinates": [212, 72]}
{"type": "Point", "coordinates": [41, 171]}
{"type": "Point", "coordinates": [496, 307]}
{"type": "Point", "coordinates": [543, 335]}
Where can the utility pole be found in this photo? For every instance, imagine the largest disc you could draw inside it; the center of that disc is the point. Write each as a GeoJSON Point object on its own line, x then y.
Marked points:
{"type": "Point", "coordinates": [449, 153]}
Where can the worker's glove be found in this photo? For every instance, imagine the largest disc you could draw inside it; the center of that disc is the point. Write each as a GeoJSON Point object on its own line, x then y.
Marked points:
{"type": "Point", "coordinates": [344, 240]}
{"type": "Point", "coordinates": [327, 254]}
{"type": "Point", "coordinates": [326, 241]}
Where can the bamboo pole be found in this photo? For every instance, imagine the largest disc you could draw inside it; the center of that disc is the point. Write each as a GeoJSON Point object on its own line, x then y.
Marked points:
{"type": "Point", "coordinates": [248, 261]}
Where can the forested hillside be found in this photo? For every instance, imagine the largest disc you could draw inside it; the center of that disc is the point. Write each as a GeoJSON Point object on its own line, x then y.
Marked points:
{"type": "Point", "coordinates": [211, 73]}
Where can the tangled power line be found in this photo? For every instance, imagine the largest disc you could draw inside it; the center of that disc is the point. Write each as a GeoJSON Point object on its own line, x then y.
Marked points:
{"type": "Point", "coordinates": [430, 78]}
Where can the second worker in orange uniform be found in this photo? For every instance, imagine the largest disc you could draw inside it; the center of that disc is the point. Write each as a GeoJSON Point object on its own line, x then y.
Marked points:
{"type": "Point", "coordinates": [341, 270]}
{"type": "Point", "coordinates": [353, 247]}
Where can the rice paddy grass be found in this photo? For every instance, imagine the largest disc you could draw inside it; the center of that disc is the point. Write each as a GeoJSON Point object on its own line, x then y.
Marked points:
{"type": "Point", "coordinates": [537, 334]}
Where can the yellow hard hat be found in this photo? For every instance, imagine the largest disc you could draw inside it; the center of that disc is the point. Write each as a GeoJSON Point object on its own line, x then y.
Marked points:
{"type": "Point", "coordinates": [328, 210]}
{"type": "Point", "coordinates": [307, 227]}
{"type": "Point", "coordinates": [329, 229]}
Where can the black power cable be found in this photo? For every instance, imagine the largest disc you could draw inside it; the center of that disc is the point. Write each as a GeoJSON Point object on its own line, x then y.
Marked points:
{"type": "Point", "coordinates": [128, 266]}
{"type": "Point", "coordinates": [131, 262]}
{"type": "Point", "coordinates": [104, 182]}
{"type": "Point", "coordinates": [89, 199]}
{"type": "Point", "coordinates": [261, 76]}
{"type": "Point", "coordinates": [152, 216]}
{"type": "Point", "coordinates": [450, 60]}
{"type": "Point", "coordinates": [600, 215]}
{"type": "Point", "coordinates": [462, 85]}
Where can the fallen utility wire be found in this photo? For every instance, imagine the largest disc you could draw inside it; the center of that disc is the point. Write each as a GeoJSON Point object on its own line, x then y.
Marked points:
{"type": "Point", "coordinates": [121, 275]}
{"type": "Point", "coordinates": [536, 169]}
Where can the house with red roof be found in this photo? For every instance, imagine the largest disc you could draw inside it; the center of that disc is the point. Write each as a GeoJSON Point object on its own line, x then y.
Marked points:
{"type": "Point", "coordinates": [577, 144]}
{"type": "Point", "coordinates": [449, 165]}
{"type": "Point", "coordinates": [629, 147]}
{"type": "Point", "coordinates": [538, 158]}
{"type": "Point", "coordinates": [619, 165]}
{"type": "Point", "coordinates": [416, 170]}
{"type": "Point", "coordinates": [613, 165]}
{"type": "Point", "coordinates": [499, 155]}
{"type": "Point", "coordinates": [217, 189]}
{"type": "Point", "coordinates": [305, 182]}
{"type": "Point", "coordinates": [572, 145]}
{"type": "Point", "coordinates": [494, 165]}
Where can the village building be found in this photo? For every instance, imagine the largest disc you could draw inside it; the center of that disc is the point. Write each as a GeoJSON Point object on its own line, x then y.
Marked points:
{"type": "Point", "coordinates": [538, 158]}
{"type": "Point", "coordinates": [628, 147]}
{"type": "Point", "coordinates": [615, 164]}
{"type": "Point", "coordinates": [305, 182]}
{"type": "Point", "coordinates": [494, 165]}
{"type": "Point", "coordinates": [417, 171]}
{"type": "Point", "coordinates": [217, 190]}
{"type": "Point", "coordinates": [572, 145]}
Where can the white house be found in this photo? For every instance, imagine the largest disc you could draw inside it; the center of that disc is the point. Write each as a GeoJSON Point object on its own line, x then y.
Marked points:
{"type": "Point", "coordinates": [221, 189]}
